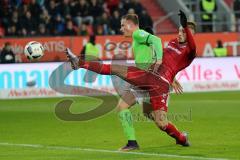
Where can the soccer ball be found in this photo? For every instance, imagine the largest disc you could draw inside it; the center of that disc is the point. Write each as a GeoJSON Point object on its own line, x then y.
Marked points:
{"type": "Point", "coordinates": [34, 50]}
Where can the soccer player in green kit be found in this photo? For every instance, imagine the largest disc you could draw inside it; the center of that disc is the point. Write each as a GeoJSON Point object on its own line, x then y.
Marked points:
{"type": "Point", "coordinates": [147, 49]}
{"type": "Point", "coordinates": [144, 56]}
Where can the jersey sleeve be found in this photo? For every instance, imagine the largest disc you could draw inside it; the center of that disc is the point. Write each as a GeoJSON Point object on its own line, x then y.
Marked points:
{"type": "Point", "coordinates": [144, 37]}
{"type": "Point", "coordinates": [157, 45]}
{"type": "Point", "coordinates": [140, 36]}
{"type": "Point", "coordinates": [190, 40]}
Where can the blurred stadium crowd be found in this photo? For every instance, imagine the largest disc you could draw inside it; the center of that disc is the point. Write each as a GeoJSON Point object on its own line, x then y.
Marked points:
{"type": "Point", "coordinates": [66, 17]}
{"type": "Point", "coordinates": [40, 18]}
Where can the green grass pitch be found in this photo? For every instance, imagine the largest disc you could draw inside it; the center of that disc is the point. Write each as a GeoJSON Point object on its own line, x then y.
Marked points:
{"type": "Point", "coordinates": [30, 130]}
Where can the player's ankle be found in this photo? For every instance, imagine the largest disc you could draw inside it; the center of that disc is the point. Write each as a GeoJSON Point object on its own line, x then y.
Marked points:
{"type": "Point", "coordinates": [132, 143]}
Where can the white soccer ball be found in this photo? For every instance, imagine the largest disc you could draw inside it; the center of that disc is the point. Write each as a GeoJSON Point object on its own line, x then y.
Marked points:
{"type": "Point", "coordinates": [34, 50]}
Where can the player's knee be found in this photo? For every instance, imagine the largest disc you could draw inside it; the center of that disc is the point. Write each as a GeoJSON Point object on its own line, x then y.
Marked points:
{"type": "Point", "coordinates": [123, 105]}
{"type": "Point", "coordinates": [126, 102]}
{"type": "Point", "coordinates": [120, 107]}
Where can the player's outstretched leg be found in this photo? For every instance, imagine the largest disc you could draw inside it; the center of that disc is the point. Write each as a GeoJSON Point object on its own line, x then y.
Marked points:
{"type": "Point", "coordinates": [104, 69]}
{"type": "Point", "coordinates": [131, 74]}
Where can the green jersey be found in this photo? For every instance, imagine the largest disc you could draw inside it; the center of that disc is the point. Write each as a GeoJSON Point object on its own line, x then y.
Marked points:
{"type": "Point", "coordinates": [147, 49]}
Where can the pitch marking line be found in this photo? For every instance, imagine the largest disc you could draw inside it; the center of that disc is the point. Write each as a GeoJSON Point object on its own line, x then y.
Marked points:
{"type": "Point", "coordinates": [206, 101]}
{"type": "Point", "coordinates": [108, 151]}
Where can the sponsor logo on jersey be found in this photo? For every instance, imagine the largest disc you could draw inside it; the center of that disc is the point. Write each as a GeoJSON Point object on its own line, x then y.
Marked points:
{"type": "Point", "coordinates": [163, 101]}
{"type": "Point", "coordinates": [174, 49]}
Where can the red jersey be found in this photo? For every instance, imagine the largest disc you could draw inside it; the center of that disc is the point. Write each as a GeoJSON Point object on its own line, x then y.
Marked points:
{"type": "Point", "coordinates": [177, 56]}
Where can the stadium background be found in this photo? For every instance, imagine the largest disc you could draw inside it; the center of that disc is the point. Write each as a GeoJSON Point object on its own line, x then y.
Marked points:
{"type": "Point", "coordinates": [61, 24]}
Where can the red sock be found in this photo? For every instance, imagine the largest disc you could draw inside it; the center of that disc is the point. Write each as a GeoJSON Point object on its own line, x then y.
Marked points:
{"type": "Point", "coordinates": [172, 131]}
{"type": "Point", "coordinates": [96, 67]}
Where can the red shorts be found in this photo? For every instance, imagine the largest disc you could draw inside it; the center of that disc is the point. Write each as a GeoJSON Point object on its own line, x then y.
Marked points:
{"type": "Point", "coordinates": [157, 87]}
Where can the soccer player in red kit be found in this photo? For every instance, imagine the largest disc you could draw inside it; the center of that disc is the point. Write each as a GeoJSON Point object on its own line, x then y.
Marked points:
{"type": "Point", "coordinates": [179, 54]}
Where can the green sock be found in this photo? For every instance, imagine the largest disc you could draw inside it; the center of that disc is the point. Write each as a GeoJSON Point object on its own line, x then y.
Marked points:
{"type": "Point", "coordinates": [126, 119]}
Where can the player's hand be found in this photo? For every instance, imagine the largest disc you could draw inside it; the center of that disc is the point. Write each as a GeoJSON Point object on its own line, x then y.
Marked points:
{"type": "Point", "coordinates": [177, 87]}
{"type": "Point", "coordinates": [154, 68]}
{"type": "Point", "coordinates": [183, 18]}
